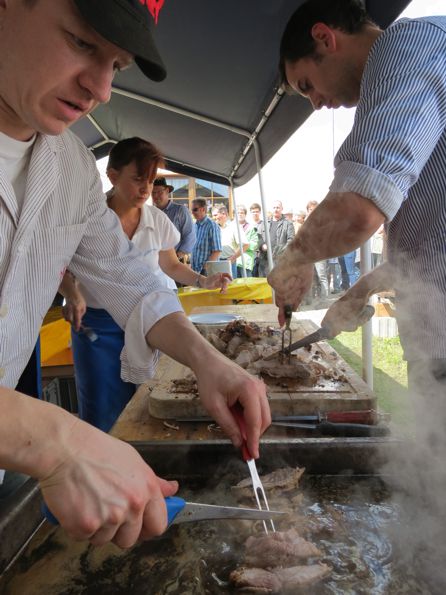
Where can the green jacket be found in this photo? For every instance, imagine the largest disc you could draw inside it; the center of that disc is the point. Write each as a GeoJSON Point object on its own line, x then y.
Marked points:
{"type": "Point", "coordinates": [249, 255]}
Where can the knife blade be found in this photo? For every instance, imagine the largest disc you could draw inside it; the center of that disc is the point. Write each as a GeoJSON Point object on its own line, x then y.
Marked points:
{"type": "Point", "coordinates": [180, 511]}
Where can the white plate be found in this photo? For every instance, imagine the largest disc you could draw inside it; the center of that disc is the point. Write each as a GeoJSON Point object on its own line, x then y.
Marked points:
{"type": "Point", "coordinates": [212, 318]}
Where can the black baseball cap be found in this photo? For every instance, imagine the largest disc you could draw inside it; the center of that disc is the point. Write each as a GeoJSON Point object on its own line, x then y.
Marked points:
{"type": "Point", "coordinates": [128, 24]}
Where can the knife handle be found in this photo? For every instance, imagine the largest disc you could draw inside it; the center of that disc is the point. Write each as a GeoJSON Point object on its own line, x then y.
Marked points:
{"type": "Point", "coordinates": [367, 416]}
{"type": "Point", "coordinates": [237, 412]}
{"type": "Point", "coordinates": [352, 430]}
{"type": "Point", "coordinates": [174, 506]}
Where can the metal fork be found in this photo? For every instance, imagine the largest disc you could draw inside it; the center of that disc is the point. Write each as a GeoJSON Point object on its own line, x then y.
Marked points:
{"type": "Point", "coordinates": [286, 353]}
{"type": "Point", "coordinates": [257, 485]}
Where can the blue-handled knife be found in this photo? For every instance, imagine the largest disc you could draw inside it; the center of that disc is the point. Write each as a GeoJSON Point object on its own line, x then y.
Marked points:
{"type": "Point", "coordinates": [180, 511]}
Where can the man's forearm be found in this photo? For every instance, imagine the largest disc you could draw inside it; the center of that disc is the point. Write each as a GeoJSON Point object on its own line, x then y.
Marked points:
{"type": "Point", "coordinates": [191, 349]}
{"type": "Point", "coordinates": [32, 434]}
{"type": "Point", "coordinates": [382, 278]}
{"type": "Point", "coordinates": [340, 224]}
{"type": "Point", "coordinates": [214, 255]}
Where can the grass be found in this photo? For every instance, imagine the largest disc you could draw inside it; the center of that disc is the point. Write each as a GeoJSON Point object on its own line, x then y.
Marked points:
{"type": "Point", "coordinates": [389, 371]}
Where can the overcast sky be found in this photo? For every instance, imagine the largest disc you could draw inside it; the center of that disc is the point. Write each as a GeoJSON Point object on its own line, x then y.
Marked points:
{"type": "Point", "coordinates": [302, 169]}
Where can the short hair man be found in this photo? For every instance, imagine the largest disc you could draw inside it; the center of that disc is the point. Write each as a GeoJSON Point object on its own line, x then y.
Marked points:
{"type": "Point", "coordinates": [390, 168]}
{"type": "Point", "coordinates": [231, 248]}
{"type": "Point", "coordinates": [256, 213]}
{"type": "Point", "coordinates": [281, 233]}
{"type": "Point", "coordinates": [57, 62]}
{"type": "Point", "coordinates": [207, 245]}
{"type": "Point", "coordinates": [178, 214]}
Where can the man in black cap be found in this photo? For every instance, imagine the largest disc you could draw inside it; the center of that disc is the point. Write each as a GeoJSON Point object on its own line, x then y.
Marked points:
{"type": "Point", "coordinates": [57, 62]}
{"type": "Point", "coordinates": [178, 214]}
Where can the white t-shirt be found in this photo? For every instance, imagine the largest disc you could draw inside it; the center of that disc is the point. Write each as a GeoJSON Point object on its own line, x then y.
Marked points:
{"type": "Point", "coordinates": [15, 156]}
{"type": "Point", "coordinates": [155, 232]}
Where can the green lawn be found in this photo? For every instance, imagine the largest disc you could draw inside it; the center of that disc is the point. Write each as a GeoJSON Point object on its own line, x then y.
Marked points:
{"type": "Point", "coordinates": [389, 372]}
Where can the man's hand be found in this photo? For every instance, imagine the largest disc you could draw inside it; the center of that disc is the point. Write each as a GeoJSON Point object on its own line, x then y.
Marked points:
{"type": "Point", "coordinates": [348, 313]}
{"type": "Point", "coordinates": [290, 281]}
{"type": "Point", "coordinates": [101, 490]}
{"type": "Point", "coordinates": [74, 310]}
{"type": "Point", "coordinates": [221, 383]}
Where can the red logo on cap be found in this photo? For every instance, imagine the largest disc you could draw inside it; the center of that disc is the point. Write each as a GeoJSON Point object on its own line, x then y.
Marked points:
{"type": "Point", "coordinates": [154, 7]}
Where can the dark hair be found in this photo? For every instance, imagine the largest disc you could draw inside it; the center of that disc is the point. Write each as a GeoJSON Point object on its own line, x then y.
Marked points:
{"type": "Point", "coordinates": [145, 155]}
{"type": "Point", "coordinates": [255, 205]}
{"type": "Point", "coordinates": [200, 202]}
{"type": "Point", "coordinates": [297, 42]}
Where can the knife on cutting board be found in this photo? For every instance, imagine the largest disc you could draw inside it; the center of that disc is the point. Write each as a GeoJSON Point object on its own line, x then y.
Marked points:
{"type": "Point", "coordinates": [180, 511]}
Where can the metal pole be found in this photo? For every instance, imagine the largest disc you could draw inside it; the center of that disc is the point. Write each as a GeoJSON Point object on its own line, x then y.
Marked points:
{"type": "Point", "coordinates": [367, 355]}
{"type": "Point", "coordinates": [239, 233]}
{"type": "Point", "coordinates": [262, 199]}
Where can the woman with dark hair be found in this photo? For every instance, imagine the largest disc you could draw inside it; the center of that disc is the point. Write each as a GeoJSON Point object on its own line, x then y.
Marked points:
{"type": "Point", "coordinates": [97, 342]}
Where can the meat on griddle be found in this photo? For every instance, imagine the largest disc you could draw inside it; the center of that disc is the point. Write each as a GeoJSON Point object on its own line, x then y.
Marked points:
{"type": "Point", "coordinates": [282, 548]}
{"type": "Point", "coordinates": [278, 580]}
{"type": "Point", "coordinates": [280, 480]}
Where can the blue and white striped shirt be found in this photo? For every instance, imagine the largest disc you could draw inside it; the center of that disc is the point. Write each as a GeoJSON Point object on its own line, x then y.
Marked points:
{"type": "Point", "coordinates": [395, 155]}
{"type": "Point", "coordinates": [208, 240]}
{"type": "Point", "coordinates": [182, 219]}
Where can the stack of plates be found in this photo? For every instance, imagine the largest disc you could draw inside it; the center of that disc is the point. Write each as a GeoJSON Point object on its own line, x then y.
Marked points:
{"type": "Point", "coordinates": [212, 319]}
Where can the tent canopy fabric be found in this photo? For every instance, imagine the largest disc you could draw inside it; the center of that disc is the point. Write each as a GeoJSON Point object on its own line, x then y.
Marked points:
{"type": "Point", "coordinates": [221, 92]}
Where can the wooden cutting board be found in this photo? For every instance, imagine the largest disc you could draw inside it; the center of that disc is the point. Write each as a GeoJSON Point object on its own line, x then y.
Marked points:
{"type": "Point", "coordinates": [285, 397]}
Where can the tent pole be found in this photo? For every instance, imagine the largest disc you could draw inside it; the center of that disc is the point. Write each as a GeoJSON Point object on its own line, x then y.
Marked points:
{"type": "Point", "coordinates": [367, 355]}
{"type": "Point", "coordinates": [242, 256]}
{"type": "Point", "coordinates": [263, 201]}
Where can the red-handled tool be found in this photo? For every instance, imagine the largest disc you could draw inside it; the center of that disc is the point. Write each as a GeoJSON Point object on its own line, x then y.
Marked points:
{"type": "Point", "coordinates": [237, 412]}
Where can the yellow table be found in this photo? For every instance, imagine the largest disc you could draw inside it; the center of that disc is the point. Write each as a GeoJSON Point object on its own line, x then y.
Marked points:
{"type": "Point", "coordinates": [55, 344]}
{"type": "Point", "coordinates": [246, 290]}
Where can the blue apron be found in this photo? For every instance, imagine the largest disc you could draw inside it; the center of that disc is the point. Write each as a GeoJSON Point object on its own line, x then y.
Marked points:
{"type": "Point", "coordinates": [101, 393]}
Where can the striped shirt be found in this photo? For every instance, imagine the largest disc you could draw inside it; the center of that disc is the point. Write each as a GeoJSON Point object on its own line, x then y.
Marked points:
{"type": "Point", "coordinates": [65, 221]}
{"type": "Point", "coordinates": [182, 219]}
{"type": "Point", "coordinates": [208, 240]}
{"type": "Point", "coordinates": [395, 155]}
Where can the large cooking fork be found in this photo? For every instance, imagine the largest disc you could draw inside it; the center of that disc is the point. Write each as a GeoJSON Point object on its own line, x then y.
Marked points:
{"type": "Point", "coordinates": [259, 491]}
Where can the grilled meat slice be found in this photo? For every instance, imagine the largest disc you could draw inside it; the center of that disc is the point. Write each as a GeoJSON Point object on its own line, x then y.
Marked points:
{"type": "Point", "coordinates": [281, 480]}
{"type": "Point", "coordinates": [279, 549]}
{"type": "Point", "coordinates": [278, 580]}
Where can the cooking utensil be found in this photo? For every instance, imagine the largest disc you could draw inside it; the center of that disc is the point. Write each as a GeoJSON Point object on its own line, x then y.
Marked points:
{"type": "Point", "coordinates": [286, 331]}
{"type": "Point", "coordinates": [365, 416]}
{"type": "Point", "coordinates": [89, 333]}
{"type": "Point", "coordinates": [327, 428]}
{"type": "Point", "coordinates": [180, 511]}
{"type": "Point", "coordinates": [257, 486]}
{"type": "Point", "coordinates": [325, 332]}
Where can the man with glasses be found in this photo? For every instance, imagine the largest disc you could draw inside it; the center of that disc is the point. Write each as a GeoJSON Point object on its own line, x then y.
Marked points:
{"type": "Point", "coordinates": [208, 237]}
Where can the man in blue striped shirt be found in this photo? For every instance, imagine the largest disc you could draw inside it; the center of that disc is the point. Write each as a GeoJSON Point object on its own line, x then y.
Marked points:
{"type": "Point", "coordinates": [391, 168]}
{"type": "Point", "coordinates": [208, 237]}
{"type": "Point", "coordinates": [392, 165]}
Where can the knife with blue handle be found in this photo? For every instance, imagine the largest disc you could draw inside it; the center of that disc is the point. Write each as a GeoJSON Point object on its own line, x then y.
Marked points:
{"type": "Point", "coordinates": [180, 511]}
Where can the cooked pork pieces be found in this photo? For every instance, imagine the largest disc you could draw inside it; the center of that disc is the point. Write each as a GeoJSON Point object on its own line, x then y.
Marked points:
{"type": "Point", "coordinates": [281, 480]}
{"type": "Point", "coordinates": [278, 580]}
{"type": "Point", "coordinates": [283, 548]}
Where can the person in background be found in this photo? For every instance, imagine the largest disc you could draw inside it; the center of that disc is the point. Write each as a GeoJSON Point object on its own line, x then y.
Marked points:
{"type": "Point", "coordinates": [57, 62]}
{"type": "Point", "coordinates": [334, 275]}
{"type": "Point", "coordinates": [178, 214]}
{"type": "Point", "coordinates": [321, 268]}
{"type": "Point", "coordinates": [377, 247]}
{"type": "Point", "coordinates": [281, 233]}
{"type": "Point", "coordinates": [298, 220]}
{"type": "Point", "coordinates": [231, 247]}
{"type": "Point", "coordinates": [208, 237]}
{"type": "Point", "coordinates": [131, 168]}
{"type": "Point", "coordinates": [255, 211]}
{"type": "Point", "coordinates": [288, 214]}
{"type": "Point", "coordinates": [253, 241]}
